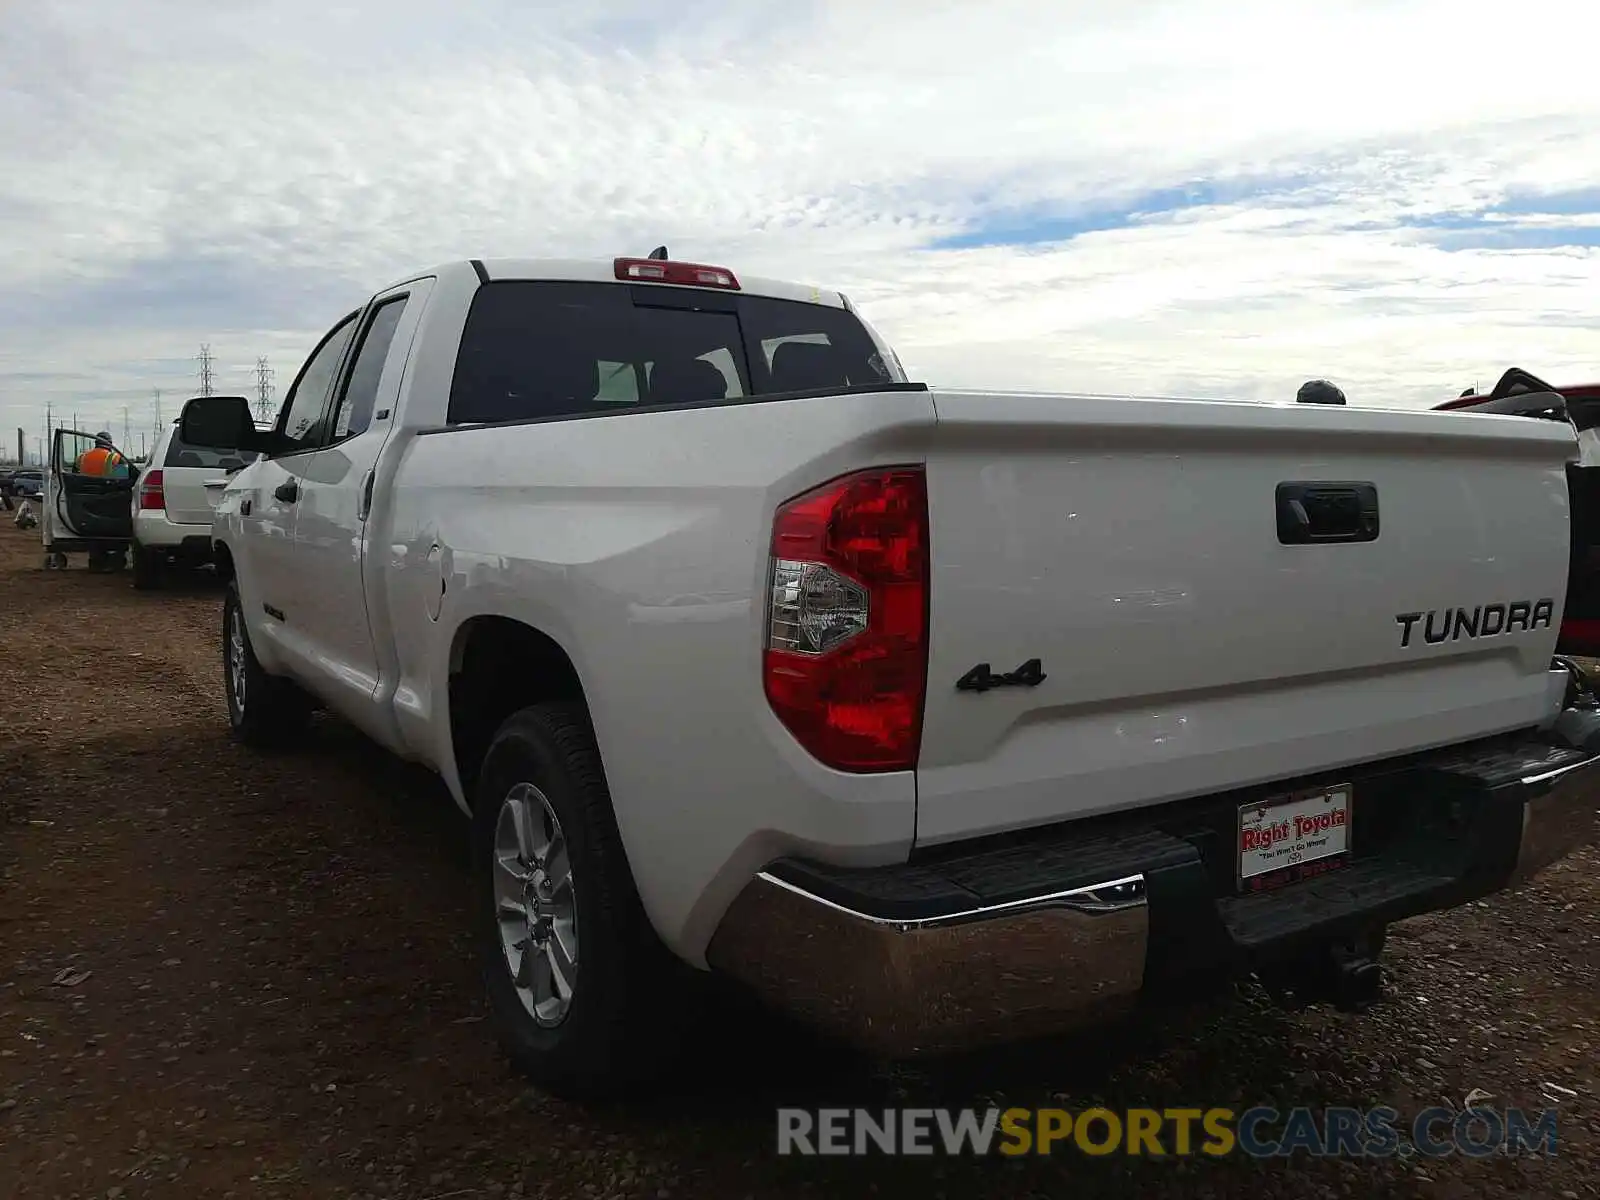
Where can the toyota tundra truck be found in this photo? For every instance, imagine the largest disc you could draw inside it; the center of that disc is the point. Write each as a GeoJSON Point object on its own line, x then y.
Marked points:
{"type": "Point", "coordinates": [933, 717]}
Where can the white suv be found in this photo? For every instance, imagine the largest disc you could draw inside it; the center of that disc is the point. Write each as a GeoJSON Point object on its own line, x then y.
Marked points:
{"type": "Point", "coordinates": [172, 505]}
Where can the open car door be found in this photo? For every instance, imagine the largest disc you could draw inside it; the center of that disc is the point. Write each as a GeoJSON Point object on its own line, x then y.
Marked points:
{"type": "Point", "coordinates": [85, 512]}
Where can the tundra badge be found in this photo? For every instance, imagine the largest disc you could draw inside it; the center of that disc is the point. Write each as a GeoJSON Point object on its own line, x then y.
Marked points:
{"type": "Point", "coordinates": [1487, 620]}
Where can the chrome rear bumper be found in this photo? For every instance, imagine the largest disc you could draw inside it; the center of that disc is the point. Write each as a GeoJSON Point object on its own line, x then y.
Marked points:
{"type": "Point", "coordinates": [1082, 921]}
{"type": "Point", "coordinates": [906, 987]}
{"type": "Point", "coordinates": [1560, 815]}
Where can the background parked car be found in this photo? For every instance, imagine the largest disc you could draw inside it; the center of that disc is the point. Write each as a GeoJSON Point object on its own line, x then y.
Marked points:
{"type": "Point", "coordinates": [1519, 393]}
{"type": "Point", "coordinates": [172, 505]}
{"type": "Point", "coordinates": [27, 484]}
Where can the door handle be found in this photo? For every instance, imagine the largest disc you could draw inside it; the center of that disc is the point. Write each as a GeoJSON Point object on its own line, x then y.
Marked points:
{"type": "Point", "coordinates": [366, 494]}
{"type": "Point", "coordinates": [288, 491]}
{"type": "Point", "coordinates": [1315, 513]}
{"type": "Point", "coordinates": [216, 483]}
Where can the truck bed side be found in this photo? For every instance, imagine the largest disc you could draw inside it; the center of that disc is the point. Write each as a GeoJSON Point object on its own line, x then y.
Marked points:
{"type": "Point", "coordinates": [639, 544]}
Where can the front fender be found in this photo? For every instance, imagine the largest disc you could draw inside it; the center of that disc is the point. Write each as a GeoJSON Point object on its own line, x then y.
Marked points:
{"type": "Point", "coordinates": [228, 536]}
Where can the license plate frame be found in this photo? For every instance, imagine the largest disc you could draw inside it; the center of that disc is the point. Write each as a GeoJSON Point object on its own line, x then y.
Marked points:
{"type": "Point", "coordinates": [1299, 845]}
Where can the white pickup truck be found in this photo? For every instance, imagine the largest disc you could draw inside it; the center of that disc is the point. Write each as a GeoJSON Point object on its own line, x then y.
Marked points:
{"type": "Point", "coordinates": [935, 717]}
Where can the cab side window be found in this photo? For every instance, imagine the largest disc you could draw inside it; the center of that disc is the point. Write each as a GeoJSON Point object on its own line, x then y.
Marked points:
{"type": "Point", "coordinates": [354, 411]}
{"type": "Point", "coordinates": [307, 400]}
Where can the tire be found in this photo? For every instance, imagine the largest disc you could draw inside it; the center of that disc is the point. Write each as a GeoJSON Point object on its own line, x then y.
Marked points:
{"type": "Point", "coordinates": [626, 1008]}
{"type": "Point", "coordinates": [263, 711]}
{"type": "Point", "coordinates": [147, 569]}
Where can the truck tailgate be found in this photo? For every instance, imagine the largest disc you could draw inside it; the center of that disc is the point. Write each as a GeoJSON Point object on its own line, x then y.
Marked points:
{"type": "Point", "coordinates": [1189, 644]}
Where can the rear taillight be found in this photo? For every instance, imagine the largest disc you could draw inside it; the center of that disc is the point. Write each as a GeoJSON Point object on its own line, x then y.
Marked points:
{"type": "Point", "coordinates": [152, 493]}
{"type": "Point", "coordinates": [846, 659]}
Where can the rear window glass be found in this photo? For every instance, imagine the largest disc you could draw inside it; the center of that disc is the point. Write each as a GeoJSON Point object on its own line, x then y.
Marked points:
{"type": "Point", "coordinates": [547, 349]}
{"type": "Point", "coordinates": [180, 454]}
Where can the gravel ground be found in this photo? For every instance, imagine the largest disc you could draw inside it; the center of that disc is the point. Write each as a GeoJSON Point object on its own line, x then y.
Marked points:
{"type": "Point", "coordinates": [228, 975]}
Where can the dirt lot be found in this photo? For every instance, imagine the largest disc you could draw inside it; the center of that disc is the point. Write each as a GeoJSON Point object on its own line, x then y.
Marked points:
{"type": "Point", "coordinates": [227, 975]}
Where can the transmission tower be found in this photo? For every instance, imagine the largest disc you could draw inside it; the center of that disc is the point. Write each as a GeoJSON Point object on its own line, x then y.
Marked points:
{"type": "Point", "coordinates": [125, 438]}
{"type": "Point", "coordinates": [206, 363]}
{"type": "Point", "coordinates": [264, 375]}
{"type": "Point", "coordinates": [158, 413]}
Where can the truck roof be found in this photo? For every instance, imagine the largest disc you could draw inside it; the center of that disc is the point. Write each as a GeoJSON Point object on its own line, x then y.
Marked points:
{"type": "Point", "coordinates": [604, 270]}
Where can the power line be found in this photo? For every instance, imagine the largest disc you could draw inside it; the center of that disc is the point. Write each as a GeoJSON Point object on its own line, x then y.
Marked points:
{"type": "Point", "coordinates": [264, 375]}
{"type": "Point", "coordinates": [206, 364]}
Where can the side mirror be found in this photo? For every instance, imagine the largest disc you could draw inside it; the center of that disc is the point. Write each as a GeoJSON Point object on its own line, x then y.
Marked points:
{"type": "Point", "coordinates": [221, 423]}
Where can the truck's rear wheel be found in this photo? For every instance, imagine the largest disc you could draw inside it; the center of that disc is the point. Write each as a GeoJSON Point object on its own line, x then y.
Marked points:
{"type": "Point", "coordinates": [586, 1000]}
{"type": "Point", "coordinates": [263, 710]}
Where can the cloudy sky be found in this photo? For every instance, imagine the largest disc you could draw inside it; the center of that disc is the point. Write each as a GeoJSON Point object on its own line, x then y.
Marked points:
{"type": "Point", "coordinates": [1191, 198]}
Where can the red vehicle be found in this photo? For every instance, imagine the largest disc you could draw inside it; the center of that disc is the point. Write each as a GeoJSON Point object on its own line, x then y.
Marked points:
{"type": "Point", "coordinates": [1520, 394]}
{"type": "Point", "coordinates": [1517, 382]}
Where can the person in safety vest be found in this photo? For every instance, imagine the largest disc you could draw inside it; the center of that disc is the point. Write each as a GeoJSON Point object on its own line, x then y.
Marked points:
{"type": "Point", "coordinates": [102, 460]}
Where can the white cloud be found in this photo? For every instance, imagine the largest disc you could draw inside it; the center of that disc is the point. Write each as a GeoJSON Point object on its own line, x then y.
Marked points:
{"type": "Point", "coordinates": [178, 156]}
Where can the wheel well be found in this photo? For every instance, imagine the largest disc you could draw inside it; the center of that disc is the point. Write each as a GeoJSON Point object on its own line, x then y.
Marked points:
{"type": "Point", "coordinates": [497, 666]}
{"type": "Point", "coordinates": [222, 559]}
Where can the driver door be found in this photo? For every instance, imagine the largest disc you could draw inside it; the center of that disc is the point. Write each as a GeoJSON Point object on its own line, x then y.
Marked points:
{"type": "Point", "coordinates": [87, 508]}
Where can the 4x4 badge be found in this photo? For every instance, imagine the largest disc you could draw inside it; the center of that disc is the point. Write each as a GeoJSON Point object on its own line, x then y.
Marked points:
{"type": "Point", "coordinates": [982, 679]}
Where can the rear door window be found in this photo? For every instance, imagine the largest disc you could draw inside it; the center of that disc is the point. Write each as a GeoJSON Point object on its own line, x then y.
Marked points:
{"type": "Point", "coordinates": [541, 349]}
{"type": "Point", "coordinates": [354, 412]}
{"type": "Point", "coordinates": [181, 454]}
